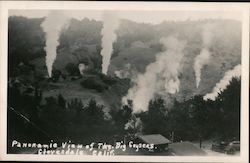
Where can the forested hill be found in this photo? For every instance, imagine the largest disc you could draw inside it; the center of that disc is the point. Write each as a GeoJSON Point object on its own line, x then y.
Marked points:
{"type": "Point", "coordinates": [137, 44]}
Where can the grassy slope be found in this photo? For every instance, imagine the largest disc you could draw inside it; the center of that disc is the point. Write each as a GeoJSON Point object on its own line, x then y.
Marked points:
{"type": "Point", "coordinates": [110, 98]}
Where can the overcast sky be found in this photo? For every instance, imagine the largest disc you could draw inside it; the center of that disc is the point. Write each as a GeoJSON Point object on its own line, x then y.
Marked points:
{"type": "Point", "coordinates": [154, 17]}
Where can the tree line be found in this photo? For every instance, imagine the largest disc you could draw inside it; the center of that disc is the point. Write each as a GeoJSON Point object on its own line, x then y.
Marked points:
{"type": "Point", "coordinates": [86, 122]}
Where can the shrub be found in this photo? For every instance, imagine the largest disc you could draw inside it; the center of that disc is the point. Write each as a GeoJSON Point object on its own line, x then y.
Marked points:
{"type": "Point", "coordinates": [107, 79]}
{"type": "Point", "coordinates": [72, 69]}
{"type": "Point", "coordinates": [94, 83]}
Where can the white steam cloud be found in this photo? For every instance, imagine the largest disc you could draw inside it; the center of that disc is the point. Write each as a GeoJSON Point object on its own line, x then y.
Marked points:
{"type": "Point", "coordinates": [110, 24]}
{"type": "Point", "coordinates": [134, 124]}
{"type": "Point", "coordinates": [125, 72]}
{"type": "Point", "coordinates": [200, 60]}
{"type": "Point", "coordinates": [52, 26]}
{"type": "Point", "coordinates": [161, 77]}
{"type": "Point", "coordinates": [222, 84]}
{"type": "Point", "coordinates": [203, 58]}
{"type": "Point", "coordinates": [81, 68]}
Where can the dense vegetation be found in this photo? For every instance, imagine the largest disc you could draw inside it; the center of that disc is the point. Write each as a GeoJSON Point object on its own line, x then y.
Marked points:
{"type": "Point", "coordinates": [23, 44]}
{"type": "Point", "coordinates": [194, 118]}
{"type": "Point", "coordinates": [189, 120]}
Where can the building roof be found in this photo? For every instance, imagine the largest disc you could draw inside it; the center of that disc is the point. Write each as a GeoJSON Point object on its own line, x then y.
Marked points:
{"type": "Point", "coordinates": [155, 139]}
{"type": "Point", "coordinates": [186, 149]}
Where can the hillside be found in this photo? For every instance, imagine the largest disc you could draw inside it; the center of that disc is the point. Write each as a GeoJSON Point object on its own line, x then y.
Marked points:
{"type": "Point", "coordinates": [225, 50]}
{"type": "Point", "coordinates": [137, 44]}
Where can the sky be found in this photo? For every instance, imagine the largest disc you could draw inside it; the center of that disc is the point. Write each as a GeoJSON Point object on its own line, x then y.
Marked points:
{"type": "Point", "coordinates": [153, 17]}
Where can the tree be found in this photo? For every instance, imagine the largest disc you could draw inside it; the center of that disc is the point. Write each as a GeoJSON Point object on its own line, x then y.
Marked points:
{"type": "Point", "coordinates": [121, 116]}
{"type": "Point", "coordinates": [155, 119]}
{"type": "Point", "coordinates": [72, 69]}
{"type": "Point", "coordinates": [124, 114]}
{"type": "Point", "coordinates": [94, 83]}
{"type": "Point", "coordinates": [180, 122]}
{"type": "Point", "coordinates": [75, 107]}
{"type": "Point", "coordinates": [52, 113]}
{"type": "Point", "coordinates": [61, 101]}
{"type": "Point", "coordinates": [229, 101]}
{"type": "Point", "coordinates": [93, 113]}
{"type": "Point", "coordinates": [56, 75]}
{"type": "Point", "coordinates": [199, 115]}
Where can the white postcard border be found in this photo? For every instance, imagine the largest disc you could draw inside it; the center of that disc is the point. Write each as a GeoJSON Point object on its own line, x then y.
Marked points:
{"type": "Point", "coordinates": [153, 6]}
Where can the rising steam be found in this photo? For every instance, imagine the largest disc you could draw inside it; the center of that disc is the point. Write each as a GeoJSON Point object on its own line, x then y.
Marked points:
{"type": "Point", "coordinates": [161, 77]}
{"type": "Point", "coordinates": [203, 58]}
{"type": "Point", "coordinates": [110, 24]}
{"type": "Point", "coordinates": [52, 26]}
{"type": "Point", "coordinates": [222, 84]}
{"type": "Point", "coordinates": [82, 67]}
{"type": "Point", "coordinates": [134, 123]}
{"type": "Point", "coordinates": [125, 72]}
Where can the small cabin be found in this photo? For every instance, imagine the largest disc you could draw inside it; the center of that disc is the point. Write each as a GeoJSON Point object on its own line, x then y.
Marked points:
{"type": "Point", "coordinates": [160, 142]}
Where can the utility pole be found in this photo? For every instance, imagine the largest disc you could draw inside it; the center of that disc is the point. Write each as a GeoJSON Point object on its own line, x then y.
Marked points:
{"type": "Point", "coordinates": [200, 138]}
{"type": "Point", "coordinates": [172, 136]}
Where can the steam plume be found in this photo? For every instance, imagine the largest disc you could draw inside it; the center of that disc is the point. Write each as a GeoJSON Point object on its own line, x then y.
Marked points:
{"type": "Point", "coordinates": [134, 124]}
{"type": "Point", "coordinates": [222, 84]}
{"type": "Point", "coordinates": [81, 68]}
{"type": "Point", "coordinates": [124, 73]}
{"type": "Point", "coordinates": [161, 77]}
{"type": "Point", "coordinates": [110, 24]}
{"type": "Point", "coordinates": [52, 26]}
{"type": "Point", "coordinates": [203, 58]}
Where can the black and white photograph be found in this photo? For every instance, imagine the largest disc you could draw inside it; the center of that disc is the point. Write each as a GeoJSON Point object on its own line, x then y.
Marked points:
{"type": "Point", "coordinates": [109, 82]}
